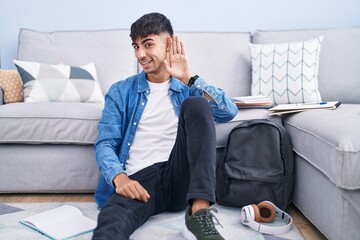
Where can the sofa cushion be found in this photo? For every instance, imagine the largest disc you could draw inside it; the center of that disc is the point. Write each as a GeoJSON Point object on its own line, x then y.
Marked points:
{"type": "Point", "coordinates": [44, 122]}
{"type": "Point", "coordinates": [329, 140]}
{"type": "Point", "coordinates": [223, 129]}
{"type": "Point", "coordinates": [286, 72]}
{"type": "Point", "coordinates": [228, 52]}
{"type": "Point", "coordinates": [59, 83]}
{"type": "Point", "coordinates": [76, 123]}
{"type": "Point", "coordinates": [11, 85]}
{"type": "Point", "coordinates": [110, 50]}
{"type": "Point", "coordinates": [339, 59]}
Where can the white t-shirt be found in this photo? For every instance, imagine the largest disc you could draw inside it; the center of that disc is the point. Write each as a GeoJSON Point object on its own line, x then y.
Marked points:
{"type": "Point", "coordinates": [156, 132]}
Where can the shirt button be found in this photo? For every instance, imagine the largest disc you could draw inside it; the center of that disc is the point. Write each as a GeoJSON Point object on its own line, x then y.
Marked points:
{"type": "Point", "coordinates": [143, 103]}
{"type": "Point", "coordinates": [128, 144]}
{"type": "Point", "coordinates": [134, 123]}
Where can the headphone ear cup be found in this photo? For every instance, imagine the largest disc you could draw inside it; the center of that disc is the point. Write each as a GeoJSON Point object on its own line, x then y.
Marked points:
{"type": "Point", "coordinates": [267, 212]}
{"type": "Point", "coordinates": [257, 216]}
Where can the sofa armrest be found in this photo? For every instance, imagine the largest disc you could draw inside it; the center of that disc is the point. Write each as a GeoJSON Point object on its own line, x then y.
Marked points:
{"type": "Point", "coordinates": [1, 96]}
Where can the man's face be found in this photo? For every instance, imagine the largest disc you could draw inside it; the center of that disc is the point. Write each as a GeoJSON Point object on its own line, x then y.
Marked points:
{"type": "Point", "coordinates": [150, 51]}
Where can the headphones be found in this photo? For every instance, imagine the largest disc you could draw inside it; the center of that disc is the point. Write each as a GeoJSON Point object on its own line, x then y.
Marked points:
{"type": "Point", "coordinates": [266, 212]}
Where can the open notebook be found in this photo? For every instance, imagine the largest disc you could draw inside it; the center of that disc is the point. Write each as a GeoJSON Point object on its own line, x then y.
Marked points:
{"type": "Point", "coordinates": [60, 223]}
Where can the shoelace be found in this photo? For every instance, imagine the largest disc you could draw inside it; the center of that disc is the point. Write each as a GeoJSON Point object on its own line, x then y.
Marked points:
{"type": "Point", "coordinates": [207, 223]}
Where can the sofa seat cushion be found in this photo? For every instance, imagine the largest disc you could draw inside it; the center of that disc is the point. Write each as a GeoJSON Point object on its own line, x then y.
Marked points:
{"type": "Point", "coordinates": [44, 122]}
{"type": "Point", "coordinates": [329, 140]}
{"type": "Point", "coordinates": [76, 123]}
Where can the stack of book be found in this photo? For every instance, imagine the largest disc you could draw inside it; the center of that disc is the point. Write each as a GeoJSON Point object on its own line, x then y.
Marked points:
{"type": "Point", "coordinates": [258, 101]}
{"type": "Point", "coordinates": [300, 107]}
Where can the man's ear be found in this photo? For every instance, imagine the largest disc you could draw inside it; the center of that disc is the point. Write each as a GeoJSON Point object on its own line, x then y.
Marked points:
{"type": "Point", "coordinates": [168, 43]}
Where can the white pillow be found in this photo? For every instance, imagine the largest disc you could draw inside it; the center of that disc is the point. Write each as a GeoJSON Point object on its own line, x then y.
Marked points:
{"type": "Point", "coordinates": [59, 83]}
{"type": "Point", "coordinates": [286, 72]}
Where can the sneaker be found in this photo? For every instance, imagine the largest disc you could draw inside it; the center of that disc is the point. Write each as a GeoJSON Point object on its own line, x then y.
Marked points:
{"type": "Point", "coordinates": [200, 226]}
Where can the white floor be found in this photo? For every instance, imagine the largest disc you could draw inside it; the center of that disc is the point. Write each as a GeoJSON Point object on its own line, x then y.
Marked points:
{"type": "Point", "coordinates": [163, 226]}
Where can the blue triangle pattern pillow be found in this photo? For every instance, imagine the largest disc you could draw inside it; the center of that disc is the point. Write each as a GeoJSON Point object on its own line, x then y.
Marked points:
{"type": "Point", "coordinates": [59, 83]}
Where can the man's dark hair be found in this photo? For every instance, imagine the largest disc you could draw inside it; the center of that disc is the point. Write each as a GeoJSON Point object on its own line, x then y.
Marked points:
{"type": "Point", "coordinates": [151, 23]}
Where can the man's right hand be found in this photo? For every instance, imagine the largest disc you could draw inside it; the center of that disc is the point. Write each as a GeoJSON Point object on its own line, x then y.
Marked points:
{"type": "Point", "coordinates": [130, 188]}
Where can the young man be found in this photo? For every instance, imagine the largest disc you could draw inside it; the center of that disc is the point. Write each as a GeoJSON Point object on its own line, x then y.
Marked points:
{"type": "Point", "coordinates": [156, 143]}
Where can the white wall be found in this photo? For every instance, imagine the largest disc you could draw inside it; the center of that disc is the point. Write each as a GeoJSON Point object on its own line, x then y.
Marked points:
{"type": "Point", "coordinates": [186, 15]}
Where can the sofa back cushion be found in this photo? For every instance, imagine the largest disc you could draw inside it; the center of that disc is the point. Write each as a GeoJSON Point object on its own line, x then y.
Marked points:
{"type": "Point", "coordinates": [110, 50]}
{"type": "Point", "coordinates": [222, 59]}
{"type": "Point", "coordinates": [339, 69]}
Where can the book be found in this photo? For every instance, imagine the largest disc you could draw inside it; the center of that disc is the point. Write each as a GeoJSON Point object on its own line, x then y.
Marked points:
{"type": "Point", "coordinates": [60, 223]}
{"type": "Point", "coordinates": [257, 101]}
{"type": "Point", "coordinates": [300, 107]}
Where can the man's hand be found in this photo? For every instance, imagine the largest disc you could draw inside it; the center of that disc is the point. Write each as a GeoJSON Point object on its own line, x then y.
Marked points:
{"type": "Point", "coordinates": [176, 62]}
{"type": "Point", "coordinates": [130, 188]}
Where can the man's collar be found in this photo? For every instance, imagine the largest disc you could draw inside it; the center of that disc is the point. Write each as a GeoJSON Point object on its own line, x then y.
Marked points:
{"type": "Point", "coordinates": [175, 84]}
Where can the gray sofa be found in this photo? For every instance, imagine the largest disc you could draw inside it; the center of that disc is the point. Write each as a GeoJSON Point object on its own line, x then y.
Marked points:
{"type": "Point", "coordinates": [48, 147]}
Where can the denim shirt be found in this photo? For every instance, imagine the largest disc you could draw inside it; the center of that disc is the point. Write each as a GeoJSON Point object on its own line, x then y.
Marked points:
{"type": "Point", "coordinates": [124, 105]}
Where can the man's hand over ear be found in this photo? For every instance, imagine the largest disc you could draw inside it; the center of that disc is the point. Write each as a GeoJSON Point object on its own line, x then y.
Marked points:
{"type": "Point", "coordinates": [176, 62]}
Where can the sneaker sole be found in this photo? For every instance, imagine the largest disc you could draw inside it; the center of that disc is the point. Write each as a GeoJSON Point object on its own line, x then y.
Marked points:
{"type": "Point", "coordinates": [187, 234]}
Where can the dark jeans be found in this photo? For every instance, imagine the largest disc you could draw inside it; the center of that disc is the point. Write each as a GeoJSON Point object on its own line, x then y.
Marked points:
{"type": "Point", "coordinates": [188, 174]}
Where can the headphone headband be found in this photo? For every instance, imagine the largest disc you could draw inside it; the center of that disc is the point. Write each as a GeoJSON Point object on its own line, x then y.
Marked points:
{"type": "Point", "coordinates": [247, 218]}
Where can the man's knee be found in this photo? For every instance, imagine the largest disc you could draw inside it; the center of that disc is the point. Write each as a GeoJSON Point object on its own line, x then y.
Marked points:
{"type": "Point", "coordinates": [196, 105]}
{"type": "Point", "coordinates": [196, 100]}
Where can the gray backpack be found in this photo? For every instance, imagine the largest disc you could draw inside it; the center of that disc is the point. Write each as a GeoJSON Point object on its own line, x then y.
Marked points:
{"type": "Point", "coordinates": [257, 165]}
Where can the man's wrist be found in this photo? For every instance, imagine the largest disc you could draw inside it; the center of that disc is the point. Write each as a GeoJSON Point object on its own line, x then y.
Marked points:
{"type": "Point", "coordinates": [119, 178]}
{"type": "Point", "coordinates": [185, 77]}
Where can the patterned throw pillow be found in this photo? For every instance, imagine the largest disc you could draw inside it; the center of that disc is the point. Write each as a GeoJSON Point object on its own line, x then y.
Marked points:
{"type": "Point", "coordinates": [59, 83]}
{"type": "Point", "coordinates": [286, 72]}
{"type": "Point", "coordinates": [11, 84]}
